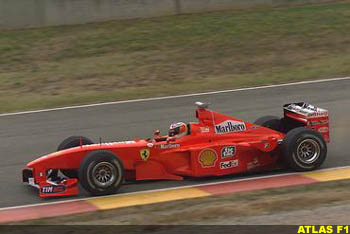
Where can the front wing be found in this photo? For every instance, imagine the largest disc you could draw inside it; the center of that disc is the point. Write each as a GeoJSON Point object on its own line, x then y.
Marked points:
{"type": "Point", "coordinates": [47, 188]}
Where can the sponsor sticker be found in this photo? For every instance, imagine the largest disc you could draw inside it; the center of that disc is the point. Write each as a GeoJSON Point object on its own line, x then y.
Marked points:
{"type": "Point", "coordinates": [53, 189]}
{"type": "Point", "coordinates": [169, 146]}
{"type": "Point", "coordinates": [229, 126]}
{"type": "Point", "coordinates": [319, 122]}
{"type": "Point", "coordinates": [308, 110]}
{"type": "Point", "coordinates": [208, 158]}
{"type": "Point", "coordinates": [229, 164]}
{"type": "Point", "coordinates": [110, 143]}
{"type": "Point", "coordinates": [124, 142]}
{"type": "Point", "coordinates": [145, 153]}
{"type": "Point", "coordinates": [31, 181]}
{"type": "Point", "coordinates": [323, 129]}
{"type": "Point", "coordinates": [228, 151]}
{"type": "Point", "coordinates": [204, 129]}
{"type": "Point", "coordinates": [318, 114]}
{"type": "Point", "coordinates": [254, 127]}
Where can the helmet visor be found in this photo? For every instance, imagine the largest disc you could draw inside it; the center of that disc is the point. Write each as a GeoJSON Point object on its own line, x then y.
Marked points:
{"type": "Point", "coordinates": [174, 131]}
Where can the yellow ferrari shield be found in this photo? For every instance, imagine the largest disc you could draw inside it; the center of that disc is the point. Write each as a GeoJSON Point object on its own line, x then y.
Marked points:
{"type": "Point", "coordinates": [145, 153]}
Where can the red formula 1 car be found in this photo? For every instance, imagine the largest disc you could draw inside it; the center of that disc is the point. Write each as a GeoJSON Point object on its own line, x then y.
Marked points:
{"type": "Point", "coordinates": [216, 145]}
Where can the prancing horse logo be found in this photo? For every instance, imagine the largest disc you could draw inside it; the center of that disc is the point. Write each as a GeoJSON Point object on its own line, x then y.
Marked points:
{"type": "Point", "coordinates": [145, 153]}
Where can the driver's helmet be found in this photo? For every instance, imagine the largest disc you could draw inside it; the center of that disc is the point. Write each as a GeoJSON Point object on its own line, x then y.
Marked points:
{"type": "Point", "coordinates": [178, 130]}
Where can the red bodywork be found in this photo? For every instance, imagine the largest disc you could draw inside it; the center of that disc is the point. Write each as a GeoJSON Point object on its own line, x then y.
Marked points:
{"type": "Point", "coordinates": [216, 145]}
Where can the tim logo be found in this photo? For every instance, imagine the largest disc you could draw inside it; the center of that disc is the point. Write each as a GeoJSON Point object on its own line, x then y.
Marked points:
{"type": "Point", "coordinates": [230, 126]}
{"type": "Point", "coordinates": [53, 189]}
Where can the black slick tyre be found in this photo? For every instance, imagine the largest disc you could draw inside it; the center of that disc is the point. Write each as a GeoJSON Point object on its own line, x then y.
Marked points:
{"type": "Point", "coordinates": [70, 142]}
{"type": "Point", "coordinates": [271, 122]}
{"type": "Point", "coordinates": [304, 149]}
{"type": "Point", "coordinates": [101, 173]}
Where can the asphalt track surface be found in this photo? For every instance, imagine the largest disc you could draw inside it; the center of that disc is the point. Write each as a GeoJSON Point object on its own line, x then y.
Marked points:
{"type": "Point", "coordinates": [25, 137]}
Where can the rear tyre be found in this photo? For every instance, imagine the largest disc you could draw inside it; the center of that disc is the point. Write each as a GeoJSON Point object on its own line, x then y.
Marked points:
{"type": "Point", "coordinates": [71, 142]}
{"type": "Point", "coordinates": [304, 149]}
{"type": "Point", "coordinates": [289, 124]}
{"type": "Point", "coordinates": [271, 122]}
{"type": "Point", "coordinates": [101, 173]}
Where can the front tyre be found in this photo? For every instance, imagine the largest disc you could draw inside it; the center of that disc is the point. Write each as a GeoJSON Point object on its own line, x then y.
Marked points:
{"type": "Point", "coordinates": [74, 141]}
{"type": "Point", "coordinates": [70, 142]}
{"type": "Point", "coordinates": [101, 173]}
{"type": "Point", "coordinates": [304, 149]}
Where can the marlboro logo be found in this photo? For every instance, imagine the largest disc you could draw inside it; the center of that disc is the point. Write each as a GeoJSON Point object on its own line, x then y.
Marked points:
{"type": "Point", "coordinates": [229, 126]}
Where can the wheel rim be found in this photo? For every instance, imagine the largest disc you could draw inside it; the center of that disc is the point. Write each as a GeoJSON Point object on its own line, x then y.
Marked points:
{"type": "Point", "coordinates": [104, 174]}
{"type": "Point", "coordinates": [308, 151]}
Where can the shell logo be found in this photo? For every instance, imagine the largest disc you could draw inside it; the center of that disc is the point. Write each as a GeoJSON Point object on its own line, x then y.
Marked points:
{"type": "Point", "coordinates": [207, 158]}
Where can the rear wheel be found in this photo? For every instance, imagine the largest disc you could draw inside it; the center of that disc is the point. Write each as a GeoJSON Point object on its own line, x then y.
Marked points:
{"type": "Point", "coordinates": [271, 122]}
{"type": "Point", "coordinates": [101, 173]}
{"type": "Point", "coordinates": [304, 149]}
{"type": "Point", "coordinates": [71, 142]}
{"type": "Point", "coordinates": [289, 124]}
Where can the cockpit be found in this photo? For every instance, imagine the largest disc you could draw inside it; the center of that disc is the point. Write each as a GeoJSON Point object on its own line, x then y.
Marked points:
{"type": "Point", "coordinates": [178, 130]}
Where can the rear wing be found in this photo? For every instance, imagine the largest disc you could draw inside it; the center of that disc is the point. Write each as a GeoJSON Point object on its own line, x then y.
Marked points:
{"type": "Point", "coordinates": [311, 116]}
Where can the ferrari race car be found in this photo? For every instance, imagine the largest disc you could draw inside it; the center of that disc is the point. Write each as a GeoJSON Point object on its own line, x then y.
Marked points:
{"type": "Point", "coordinates": [216, 145]}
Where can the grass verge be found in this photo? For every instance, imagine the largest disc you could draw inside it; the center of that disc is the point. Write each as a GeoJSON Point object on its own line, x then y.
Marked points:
{"type": "Point", "coordinates": [58, 66]}
{"type": "Point", "coordinates": [215, 209]}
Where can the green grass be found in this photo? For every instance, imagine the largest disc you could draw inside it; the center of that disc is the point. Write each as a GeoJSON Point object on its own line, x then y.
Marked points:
{"type": "Point", "coordinates": [116, 60]}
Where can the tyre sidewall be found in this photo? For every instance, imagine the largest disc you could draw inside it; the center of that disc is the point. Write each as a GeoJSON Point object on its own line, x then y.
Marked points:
{"type": "Point", "coordinates": [290, 146]}
{"type": "Point", "coordinates": [74, 141]}
{"type": "Point", "coordinates": [71, 142]}
{"type": "Point", "coordinates": [271, 122]}
{"type": "Point", "coordinates": [86, 168]}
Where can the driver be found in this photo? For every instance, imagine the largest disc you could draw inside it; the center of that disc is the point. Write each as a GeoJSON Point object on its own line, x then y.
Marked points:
{"type": "Point", "coordinates": [178, 130]}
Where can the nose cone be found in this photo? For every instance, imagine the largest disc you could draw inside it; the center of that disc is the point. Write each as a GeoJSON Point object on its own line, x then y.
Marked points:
{"type": "Point", "coordinates": [42, 160]}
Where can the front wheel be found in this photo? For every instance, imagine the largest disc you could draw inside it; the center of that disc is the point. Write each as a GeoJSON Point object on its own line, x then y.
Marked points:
{"type": "Point", "coordinates": [101, 173]}
{"type": "Point", "coordinates": [71, 142]}
{"type": "Point", "coordinates": [304, 149]}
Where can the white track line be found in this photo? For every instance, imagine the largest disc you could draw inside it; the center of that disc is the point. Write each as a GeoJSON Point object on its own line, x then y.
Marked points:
{"type": "Point", "coordinates": [167, 189]}
{"type": "Point", "coordinates": [177, 96]}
